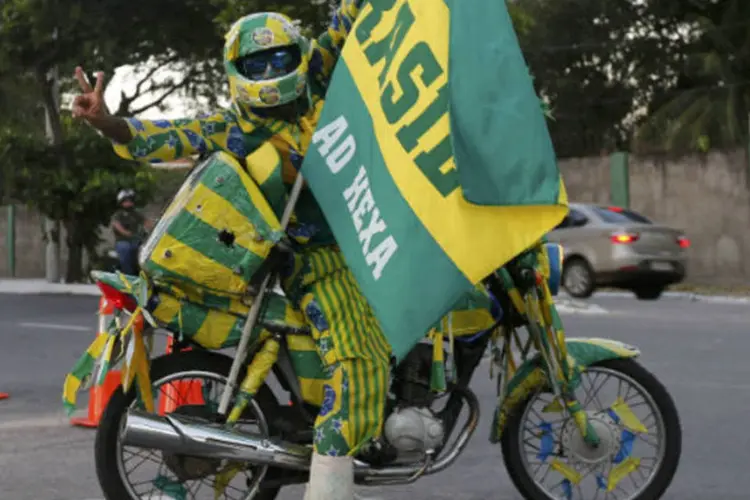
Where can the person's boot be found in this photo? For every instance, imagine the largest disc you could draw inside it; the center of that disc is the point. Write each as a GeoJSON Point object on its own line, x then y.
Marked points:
{"type": "Point", "coordinates": [331, 478]}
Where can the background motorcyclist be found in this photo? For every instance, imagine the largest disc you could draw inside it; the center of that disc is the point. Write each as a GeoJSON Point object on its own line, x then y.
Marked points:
{"type": "Point", "coordinates": [128, 227]}
{"type": "Point", "coordinates": [277, 80]}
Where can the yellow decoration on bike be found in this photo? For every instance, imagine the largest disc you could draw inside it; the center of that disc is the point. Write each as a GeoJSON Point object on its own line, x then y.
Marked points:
{"type": "Point", "coordinates": [80, 371]}
{"type": "Point", "coordinates": [567, 471]}
{"type": "Point", "coordinates": [257, 372]}
{"type": "Point", "coordinates": [215, 234]}
{"type": "Point", "coordinates": [621, 471]}
{"type": "Point", "coordinates": [627, 417]}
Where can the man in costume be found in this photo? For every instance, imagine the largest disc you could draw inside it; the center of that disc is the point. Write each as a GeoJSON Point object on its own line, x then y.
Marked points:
{"type": "Point", "coordinates": [278, 79]}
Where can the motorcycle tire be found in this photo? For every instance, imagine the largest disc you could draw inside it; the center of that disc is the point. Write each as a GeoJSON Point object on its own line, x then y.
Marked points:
{"type": "Point", "coordinates": [525, 484]}
{"type": "Point", "coordinates": [105, 446]}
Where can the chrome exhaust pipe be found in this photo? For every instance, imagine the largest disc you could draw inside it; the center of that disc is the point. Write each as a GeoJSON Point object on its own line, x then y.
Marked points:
{"type": "Point", "coordinates": [187, 436]}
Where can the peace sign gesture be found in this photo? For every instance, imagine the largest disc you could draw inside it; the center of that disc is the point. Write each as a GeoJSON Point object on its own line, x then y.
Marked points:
{"type": "Point", "coordinates": [90, 104]}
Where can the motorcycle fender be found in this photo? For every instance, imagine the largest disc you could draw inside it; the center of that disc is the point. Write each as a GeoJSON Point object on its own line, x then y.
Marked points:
{"type": "Point", "coordinates": [118, 281]}
{"type": "Point", "coordinates": [531, 377]}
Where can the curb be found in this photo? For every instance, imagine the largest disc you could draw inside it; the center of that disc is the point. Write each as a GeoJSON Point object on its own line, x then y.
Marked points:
{"type": "Point", "coordinates": [718, 299]}
{"type": "Point", "coordinates": [43, 288]}
{"type": "Point", "coordinates": [694, 297]}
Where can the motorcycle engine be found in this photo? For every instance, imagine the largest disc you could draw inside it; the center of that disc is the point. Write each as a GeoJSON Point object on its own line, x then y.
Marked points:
{"type": "Point", "coordinates": [411, 384]}
{"type": "Point", "coordinates": [414, 429]}
{"type": "Point", "coordinates": [412, 426]}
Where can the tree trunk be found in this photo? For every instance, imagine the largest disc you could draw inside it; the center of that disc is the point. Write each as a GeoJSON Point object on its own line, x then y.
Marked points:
{"type": "Point", "coordinates": [74, 241]}
{"type": "Point", "coordinates": [50, 101]}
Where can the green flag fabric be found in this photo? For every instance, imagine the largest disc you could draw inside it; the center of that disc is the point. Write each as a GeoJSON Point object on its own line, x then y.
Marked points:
{"type": "Point", "coordinates": [499, 132]}
{"type": "Point", "coordinates": [400, 171]}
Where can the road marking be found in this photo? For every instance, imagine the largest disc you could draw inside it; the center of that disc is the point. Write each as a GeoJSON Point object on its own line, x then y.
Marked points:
{"type": "Point", "coordinates": [56, 326]}
{"type": "Point", "coordinates": [568, 306]}
{"type": "Point", "coordinates": [28, 422]}
{"type": "Point", "coordinates": [693, 297]}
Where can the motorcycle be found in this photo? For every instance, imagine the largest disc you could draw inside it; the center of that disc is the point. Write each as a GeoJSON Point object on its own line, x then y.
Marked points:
{"type": "Point", "coordinates": [189, 412]}
{"type": "Point", "coordinates": [109, 259]}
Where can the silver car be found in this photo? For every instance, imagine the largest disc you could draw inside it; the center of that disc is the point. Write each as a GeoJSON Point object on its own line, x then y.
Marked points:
{"type": "Point", "coordinates": [620, 248]}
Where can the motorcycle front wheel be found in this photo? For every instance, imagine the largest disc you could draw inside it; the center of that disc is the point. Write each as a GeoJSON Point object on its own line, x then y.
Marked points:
{"type": "Point", "coordinates": [637, 423]}
{"type": "Point", "coordinates": [189, 383]}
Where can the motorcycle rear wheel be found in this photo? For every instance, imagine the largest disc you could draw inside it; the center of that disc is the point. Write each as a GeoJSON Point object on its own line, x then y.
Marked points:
{"type": "Point", "coordinates": [518, 431]}
{"type": "Point", "coordinates": [107, 449]}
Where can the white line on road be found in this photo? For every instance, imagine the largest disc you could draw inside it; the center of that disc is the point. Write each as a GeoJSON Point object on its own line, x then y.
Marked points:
{"type": "Point", "coordinates": [568, 306]}
{"type": "Point", "coordinates": [30, 422]}
{"type": "Point", "coordinates": [56, 326]}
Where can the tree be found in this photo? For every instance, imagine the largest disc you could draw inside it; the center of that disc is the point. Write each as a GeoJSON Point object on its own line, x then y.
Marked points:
{"type": "Point", "coordinates": [19, 105]}
{"type": "Point", "coordinates": [709, 103]}
{"type": "Point", "coordinates": [195, 62]}
{"type": "Point", "coordinates": [81, 193]}
{"type": "Point", "coordinates": [38, 37]}
{"type": "Point", "coordinates": [597, 62]}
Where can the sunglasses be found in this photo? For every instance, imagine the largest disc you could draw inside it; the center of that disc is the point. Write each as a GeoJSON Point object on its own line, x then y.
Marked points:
{"type": "Point", "coordinates": [269, 63]}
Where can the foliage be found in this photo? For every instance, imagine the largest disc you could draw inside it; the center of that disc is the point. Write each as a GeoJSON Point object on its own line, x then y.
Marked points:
{"type": "Point", "coordinates": [596, 62]}
{"type": "Point", "coordinates": [523, 22]}
{"type": "Point", "coordinates": [674, 75]}
{"type": "Point", "coordinates": [623, 74]}
{"type": "Point", "coordinates": [709, 104]}
{"type": "Point", "coordinates": [184, 37]}
{"type": "Point", "coordinates": [81, 192]}
{"type": "Point", "coordinates": [19, 105]}
{"type": "Point", "coordinates": [75, 180]}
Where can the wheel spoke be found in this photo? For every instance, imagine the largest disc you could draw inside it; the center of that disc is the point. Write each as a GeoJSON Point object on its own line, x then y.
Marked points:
{"type": "Point", "coordinates": [594, 392]}
{"type": "Point", "coordinates": [150, 457]}
{"type": "Point", "coordinates": [598, 386]}
{"type": "Point", "coordinates": [197, 485]}
{"type": "Point", "coordinates": [177, 390]}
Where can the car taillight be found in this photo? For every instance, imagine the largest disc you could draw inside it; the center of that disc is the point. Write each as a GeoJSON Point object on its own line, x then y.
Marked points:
{"type": "Point", "coordinates": [117, 298]}
{"type": "Point", "coordinates": [623, 238]}
{"type": "Point", "coordinates": [683, 241]}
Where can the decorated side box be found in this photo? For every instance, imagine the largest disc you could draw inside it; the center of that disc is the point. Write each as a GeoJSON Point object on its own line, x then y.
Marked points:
{"type": "Point", "coordinates": [215, 233]}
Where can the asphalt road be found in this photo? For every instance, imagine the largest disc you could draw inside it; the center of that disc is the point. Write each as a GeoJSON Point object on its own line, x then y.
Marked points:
{"type": "Point", "coordinates": [699, 350]}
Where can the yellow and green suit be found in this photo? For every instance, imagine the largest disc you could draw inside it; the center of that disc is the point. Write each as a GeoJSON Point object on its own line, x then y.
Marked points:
{"type": "Point", "coordinates": [348, 336]}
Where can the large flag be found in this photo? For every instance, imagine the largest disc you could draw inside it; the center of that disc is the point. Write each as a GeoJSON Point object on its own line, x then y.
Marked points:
{"type": "Point", "coordinates": [432, 160]}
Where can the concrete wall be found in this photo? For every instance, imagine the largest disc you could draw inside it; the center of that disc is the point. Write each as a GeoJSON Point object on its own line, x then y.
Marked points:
{"type": "Point", "coordinates": [29, 244]}
{"type": "Point", "coordinates": [708, 196]}
{"type": "Point", "coordinates": [586, 179]}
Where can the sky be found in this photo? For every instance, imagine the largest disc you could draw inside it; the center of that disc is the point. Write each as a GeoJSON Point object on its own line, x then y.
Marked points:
{"type": "Point", "coordinates": [125, 78]}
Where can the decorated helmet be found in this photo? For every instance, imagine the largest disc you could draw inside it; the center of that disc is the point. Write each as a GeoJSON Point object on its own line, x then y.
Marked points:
{"type": "Point", "coordinates": [266, 58]}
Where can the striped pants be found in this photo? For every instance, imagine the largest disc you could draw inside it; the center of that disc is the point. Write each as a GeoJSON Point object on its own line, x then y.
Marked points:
{"type": "Point", "coordinates": [355, 352]}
